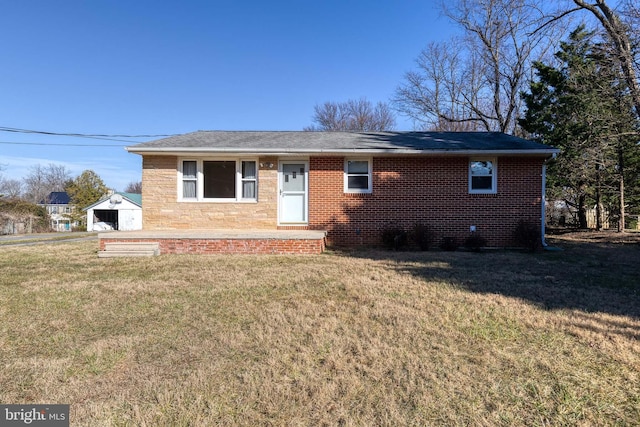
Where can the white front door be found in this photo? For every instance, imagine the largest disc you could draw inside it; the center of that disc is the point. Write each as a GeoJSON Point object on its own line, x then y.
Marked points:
{"type": "Point", "coordinates": [293, 192]}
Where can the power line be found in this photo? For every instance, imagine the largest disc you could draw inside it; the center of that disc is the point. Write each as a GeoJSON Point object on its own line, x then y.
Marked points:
{"type": "Point", "coordinates": [81, 135]}
{"type": "Point", "coordinates": [104, 137]}
{"type": "Point", "coordinates": [63, 145]}
{"type": "Point", "coordinates": [69, 135]}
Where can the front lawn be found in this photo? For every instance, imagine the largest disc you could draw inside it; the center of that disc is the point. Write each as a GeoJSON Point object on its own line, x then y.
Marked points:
{"type": "Point", "coordinates": [360, 338]}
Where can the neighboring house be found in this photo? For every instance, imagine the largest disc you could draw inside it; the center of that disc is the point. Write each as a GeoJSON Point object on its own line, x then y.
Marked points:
{"type": "Point", "coordinates": [58, 206]}
{"type": "Point", "coordinates": [118, 211]}
{"type": "Point", "coordinates": [352, 185]}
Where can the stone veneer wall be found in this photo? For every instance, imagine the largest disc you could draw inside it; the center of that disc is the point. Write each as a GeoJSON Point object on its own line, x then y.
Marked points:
{"type": "Point", "coordinates": [162, 211]}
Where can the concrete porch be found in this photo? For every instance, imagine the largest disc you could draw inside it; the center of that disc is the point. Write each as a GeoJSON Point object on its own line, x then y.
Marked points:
{"type": "Point", "coordinates": [218, 241]}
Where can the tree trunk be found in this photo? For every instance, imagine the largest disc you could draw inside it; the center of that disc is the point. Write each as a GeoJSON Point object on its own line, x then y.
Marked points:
{"type": "Point", "coordinates": [598, 207]}
{"type": "Point", "coordinates": [598, 199]}
{"type": "Point", "coordinates": [621, 224]}
{"type": "Point", "coordinates": [582, 211]}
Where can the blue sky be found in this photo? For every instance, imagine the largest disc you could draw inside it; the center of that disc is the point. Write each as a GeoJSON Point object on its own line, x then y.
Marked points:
{"type": "Point", "coordinates": [149, 67]}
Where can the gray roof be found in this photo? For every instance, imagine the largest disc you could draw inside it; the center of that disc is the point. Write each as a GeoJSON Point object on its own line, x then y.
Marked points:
{"type": "Point", "coordinates": [292, 142]}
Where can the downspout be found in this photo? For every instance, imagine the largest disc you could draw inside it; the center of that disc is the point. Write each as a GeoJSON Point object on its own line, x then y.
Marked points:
{"type": "Point", "coordinates": [543, 204]}
{"type": "Point", "coordinates": [544, 201]}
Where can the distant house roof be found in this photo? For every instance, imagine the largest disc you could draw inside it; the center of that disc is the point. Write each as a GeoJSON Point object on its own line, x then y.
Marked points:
{"type": "Point", "coordinates": [134, 198]}
{"type": "Point", "coordinates": [298, 142]}
{"type": "Point", "coordinates": [56, 198]}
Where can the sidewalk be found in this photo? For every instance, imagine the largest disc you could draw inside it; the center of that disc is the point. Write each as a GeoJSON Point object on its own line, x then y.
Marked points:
{"type": "Point", "coordinates": [35, 238]}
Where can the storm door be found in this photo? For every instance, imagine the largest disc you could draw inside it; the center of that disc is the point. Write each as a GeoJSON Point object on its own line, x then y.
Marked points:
{"type": "Point", "coordinates": [293, 192]}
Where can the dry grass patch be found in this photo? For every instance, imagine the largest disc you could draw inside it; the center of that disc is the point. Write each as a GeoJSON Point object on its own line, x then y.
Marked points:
{"type": "Point", "coordinates": [366, 338]}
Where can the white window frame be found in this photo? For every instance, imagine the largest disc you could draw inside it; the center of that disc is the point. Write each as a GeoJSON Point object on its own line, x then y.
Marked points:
{"type": "Point", "coordinates": [494, 175]}
{"type": "Point", "coordinates": [242, 180]}
{"type": "Point", "coordinates": [200, 180]}
{"type": "Point", "coordinates": [369, 174]}
{"type": "Point", "coordinates": [181, 180]}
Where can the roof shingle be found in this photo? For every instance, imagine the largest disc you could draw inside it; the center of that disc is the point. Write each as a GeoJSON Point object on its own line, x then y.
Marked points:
{"type": "Point", "coordinates": [328, 142]}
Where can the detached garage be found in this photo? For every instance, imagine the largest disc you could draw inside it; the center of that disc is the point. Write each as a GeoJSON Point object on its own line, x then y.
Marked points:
{"type": "Point", "coordinates": [119, 211]}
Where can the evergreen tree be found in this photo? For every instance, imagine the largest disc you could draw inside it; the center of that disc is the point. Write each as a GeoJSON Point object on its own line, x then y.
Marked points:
{"type": "Point", "coordinates": [583, 107]}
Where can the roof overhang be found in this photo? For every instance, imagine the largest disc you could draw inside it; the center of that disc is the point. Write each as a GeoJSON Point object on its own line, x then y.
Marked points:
{"type": "Point", "coordinates": [199, 151]}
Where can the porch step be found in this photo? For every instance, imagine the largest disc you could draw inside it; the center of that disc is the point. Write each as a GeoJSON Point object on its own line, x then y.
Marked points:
{"type": "Point", "coordinates": [129, 249]}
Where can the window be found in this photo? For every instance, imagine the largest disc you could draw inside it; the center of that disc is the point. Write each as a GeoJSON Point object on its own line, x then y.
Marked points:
{"type": "Point", "coordinates": [357, 176]}
{"type": "Point", "coordinates": [482, 176]}
{"type": "Point", "coordinates": [249, 180]}
{"type": "Point", "coordinates": [218, 180]}
{"type": "Point", "coordinates": [189, 179]}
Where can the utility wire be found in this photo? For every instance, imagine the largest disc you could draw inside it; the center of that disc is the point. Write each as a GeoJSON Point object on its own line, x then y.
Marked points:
{"type": "Point", "coordinates": [82, 135]}
{"type": "Point", "coordinates": [104, 137]}
{"type": "Point", "coordinates": [64, 145]}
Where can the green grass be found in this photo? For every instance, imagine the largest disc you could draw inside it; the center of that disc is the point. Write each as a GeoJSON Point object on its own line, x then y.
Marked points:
{"type": "Point", "coordinates": [361, 338]}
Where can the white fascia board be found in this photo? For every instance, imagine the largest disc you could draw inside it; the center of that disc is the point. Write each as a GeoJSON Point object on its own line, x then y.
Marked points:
{"type": "Point", "coordinates": [190, 151]}
{"type": "Point", "coordinates": [106, 199]}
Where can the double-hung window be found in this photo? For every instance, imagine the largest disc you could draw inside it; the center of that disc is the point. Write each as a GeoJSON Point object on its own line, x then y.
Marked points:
{"type": "Point", "coordinates": [218, 180]}
{"type": "Point", "coordinates": [189, 179]}
{"type": "Point", "coordinates": [482, 176]}
{"type": "Point", "coordinates": [357, 176]}
{"type": "Point", "coordinates": [249, 179]}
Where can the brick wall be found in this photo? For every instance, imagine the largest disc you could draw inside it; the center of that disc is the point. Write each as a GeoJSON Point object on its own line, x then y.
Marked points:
{"type": "Point", "coordinates": [227, 246]}
{"type": "Point", "coordinates": [433, 191]}
{"type": "Point", "coordinates": [162, 211]}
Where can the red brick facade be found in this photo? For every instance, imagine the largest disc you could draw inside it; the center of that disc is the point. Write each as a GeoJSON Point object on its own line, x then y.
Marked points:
{"type": "Point", "coordinates": [228, 246]}
{"type": "Point", "coordinates": [433, 191]}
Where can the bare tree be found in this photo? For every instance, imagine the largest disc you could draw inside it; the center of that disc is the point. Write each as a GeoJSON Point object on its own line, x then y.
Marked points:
{"type": "Point", "coordinates": [620, 34]}
{"type": "Point", "coordinates": [474, 82]}
{"type": "Point", "coordinates": [10, 188]}
{"type": "Point", "coordinates": [434, 95]}
{"type": "Point", "coordinates": [134, 187]}
{"type": "Point", "coordinates": [353, 115]}
{"type": "Point", "coordinates": [42, 180]}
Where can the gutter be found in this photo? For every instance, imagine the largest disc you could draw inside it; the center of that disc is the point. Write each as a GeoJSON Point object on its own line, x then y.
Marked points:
{"type": "Point", "coordinates": [334, 151]}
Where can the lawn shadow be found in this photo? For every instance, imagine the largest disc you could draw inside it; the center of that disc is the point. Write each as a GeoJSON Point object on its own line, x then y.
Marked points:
{"type": "Point", "coordinates": [586, 276]}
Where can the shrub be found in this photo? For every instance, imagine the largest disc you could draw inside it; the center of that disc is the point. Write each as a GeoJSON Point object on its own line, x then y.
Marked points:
{"type": "Point", "coordinates": [527, 235]}
{"type": "Point", "coordinates": [394, 237]}
{"type": "Point", "coordinates": [475, 242]}
{"type": "Point", "coordinates": [422, 236]}
{"type": "Point", "coordinates": [13, 211]}
{"type": "Point", "coordinates": [449, 243]}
